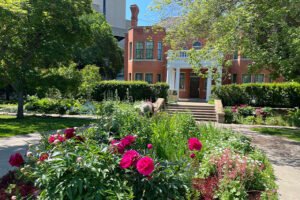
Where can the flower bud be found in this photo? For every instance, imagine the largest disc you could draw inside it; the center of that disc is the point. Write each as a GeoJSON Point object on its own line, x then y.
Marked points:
{"type": "Point", "coordinates": [13, 198]}
{"type": "Point", "coordinates": [29, 154]}
{"type": "Point", "coordinates": [79, 159]}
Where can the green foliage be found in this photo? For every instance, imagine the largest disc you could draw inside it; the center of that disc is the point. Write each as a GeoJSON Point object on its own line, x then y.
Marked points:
{"type": "Point", "coordinates": [60, 106]}
{"type": "Point", "coordinates": [97, 176]}
{"type": "Point", "coordinates": [90, 78]}
{"type": "Point", "coordinates": [294, 117]}
{"type": "Point", "coordinates": [290, 133]}
{"type": "Point", "coordinates": [135, 90]}
{"type": "Point", "coordinates": [170, 134]}
{"type": "Point", "coordinates": [246, 111]}
{"type": "Point", "coordinates": [260, 94]}
{"type": "Point", "coordinates": [103, 51]}
{"type": "Point", "coordinates": [267, 32]}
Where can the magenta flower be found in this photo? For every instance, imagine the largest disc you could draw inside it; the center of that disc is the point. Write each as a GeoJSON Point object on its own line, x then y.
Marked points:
{"type": "Point", "coordinates": [194, 144]}
{"type": "Point", "coordinates": [16, 160]}
{"type": "Point", "coordinates": [145, 166]}
{"type": "Point", "coordinates": [192, 155]}
{"type": "Point", "coordinates": [129, 159]}
{"type": "Point", "coordinates": [149, 146]}
{"type": "Point", "coordinates": [69, 133]}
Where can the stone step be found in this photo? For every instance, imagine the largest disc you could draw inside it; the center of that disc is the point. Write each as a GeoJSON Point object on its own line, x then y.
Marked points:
{"type": "Point", "coordinates": [196, 113]}
{"type": "Point", "coordinates": [205, 119]}
{"type": "Point", "coordinates": [192, 111]}
{"type": "Point", "coordinates": [191, 107]}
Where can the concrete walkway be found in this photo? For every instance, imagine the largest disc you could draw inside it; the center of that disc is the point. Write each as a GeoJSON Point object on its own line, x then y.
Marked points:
{"type": "Point", "coordinates": [13, 145]}
{"type": "Point", "coordinates": [284, 155]}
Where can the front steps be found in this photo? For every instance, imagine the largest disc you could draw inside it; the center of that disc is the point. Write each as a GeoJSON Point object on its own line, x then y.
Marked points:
{"type": "Point", "coordinates": [200, 111]}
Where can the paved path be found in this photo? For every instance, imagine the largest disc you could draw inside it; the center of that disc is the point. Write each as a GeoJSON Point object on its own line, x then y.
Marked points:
{"type": "Point", "coordinates": [284, 155]}
{"type": "Point", "coordinates": [12, 145]}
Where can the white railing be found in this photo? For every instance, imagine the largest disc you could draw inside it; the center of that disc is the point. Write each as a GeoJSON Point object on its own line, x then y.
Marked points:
{"type": "Point", "coordinates": [179, 59]}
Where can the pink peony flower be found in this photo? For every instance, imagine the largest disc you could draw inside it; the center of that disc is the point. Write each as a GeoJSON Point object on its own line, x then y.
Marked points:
{"type": "Point", "coordinates": [145, 166]}
{"type": "Point", "coordinates": [56, 137]}
{"type": "Point", "coordinates": [149, 146]}
{"type": "Point", "coordinates": [117, 146]}
{"type": "Point", "coordinates": [128, 140]}
{"type": "Point", "coordinates": [69, 133]}
{"type": "Point", "coordinates": [16, 160]}
{"type": "Point", "coordinates": [194, 144]}
{"type": "Point", "coordinates": [43, 157]}
{"type": "Point", "coordinates": [129, 159]}
{"type": "Point", "coordinates": [192, 155]}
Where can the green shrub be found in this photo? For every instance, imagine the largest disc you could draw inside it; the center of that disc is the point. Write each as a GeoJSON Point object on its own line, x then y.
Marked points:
{"type": "Point", "coordinates": [294, 117]}
{"type": "Point", "coordinates": [260, 94]}
{"type": "Point", "coordinates": [132, 90]}
{"type": "Point", "coordinates": [246, 111]}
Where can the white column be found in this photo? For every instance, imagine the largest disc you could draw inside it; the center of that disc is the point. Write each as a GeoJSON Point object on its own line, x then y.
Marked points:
{"type": "Point", "coordinates": [168, 76]}
{"type": "Point", "coordinates": [172, 79]}
{"type": "Point", "coordinates": [220, 74]}
{"type": "Point", "coordinates": [177, 81]}
{"type": "Point", "coordinates": [208, 85]}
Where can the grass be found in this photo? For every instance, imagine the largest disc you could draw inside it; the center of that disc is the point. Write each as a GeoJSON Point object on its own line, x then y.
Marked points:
{"type": "Point", "coordinates": [11, 126]}
{"type": "Point", "coordinates": [293, 134]}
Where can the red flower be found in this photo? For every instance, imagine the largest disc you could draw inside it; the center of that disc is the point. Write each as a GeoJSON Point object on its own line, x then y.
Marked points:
{"type": "Point", "coordinates": [192, 155]}
{"type": "Point", "coordinates": [69, 133]}
{"type": "Point", "coordinates": [16, 160]}
{"type": "Point", "coordinates": [194, 144]}
{"type": "Point", "coordinates": [44, 156]}
{"type": "Point", "coordinates": [118, 146]}
{"type": "Point", "coordinates": [149, 146]}
{"type": "Point", "coordinates": [54, 137]}
{"type": "Point", "coordinates": [129, 159]}
{"type": "Point", "coordinates": [128, 140]}
{"type": "Point", "coordinates": [145, 166]}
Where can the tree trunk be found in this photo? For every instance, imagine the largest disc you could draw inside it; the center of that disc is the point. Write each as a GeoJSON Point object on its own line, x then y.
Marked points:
{"type": "Point", "coordinates": [20, 113]}
{"type": "Point", "coordinates": [7, 94]}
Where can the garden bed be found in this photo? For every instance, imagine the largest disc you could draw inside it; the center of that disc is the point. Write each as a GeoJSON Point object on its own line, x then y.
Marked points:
{"type": "Point", "coordinates": [130, 155]}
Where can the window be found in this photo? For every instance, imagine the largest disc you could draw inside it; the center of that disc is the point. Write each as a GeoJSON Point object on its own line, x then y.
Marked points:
{"type": "Point", "coordinates": [139, 50]}
{"type": "Point", "coordinates": [139, 77]}
{"type": "Point", "coordinates": [130, 50]}
{"type": "Point", "coordinates": [197, 45]}
{"type": "Point", "coordinates": [246, 78]}
{"type": "Point", "coordinates": [149, 78]}
{"type": "Point", "coordinates": [158, 78]}
{"type": "Point", "coordinates": [159, 51]}
{"type": "Point", "coordinates": [182, 81]}
{"type": "Point", "coordinates": [235, 55]}
{"type": "Point", "coordinates": [149, 50]}
{"type": "Point", "coordinates": [259, 78]}
{"type": "Point", "coordinates": [234, 78]}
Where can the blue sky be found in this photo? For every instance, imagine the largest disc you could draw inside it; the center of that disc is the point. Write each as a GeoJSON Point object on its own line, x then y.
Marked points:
{"type": "Point", "coordinates": [146, 17]}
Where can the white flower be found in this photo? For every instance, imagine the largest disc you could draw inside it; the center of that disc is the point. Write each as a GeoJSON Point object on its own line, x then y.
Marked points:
{"type": "Point", "coordinates": [29, 154]}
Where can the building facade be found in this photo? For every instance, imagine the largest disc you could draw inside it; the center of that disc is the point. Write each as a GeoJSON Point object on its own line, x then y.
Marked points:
{"type": "Point", "coordinates": [115, 14]}
{"type": "Point", "coordinates": [147, 58]}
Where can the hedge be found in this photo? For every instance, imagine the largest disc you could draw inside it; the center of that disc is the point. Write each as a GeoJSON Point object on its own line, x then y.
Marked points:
{"type": "Point", "coordinates": [284, 95]}
{"type": "Point", "coordinates": [135, 90]}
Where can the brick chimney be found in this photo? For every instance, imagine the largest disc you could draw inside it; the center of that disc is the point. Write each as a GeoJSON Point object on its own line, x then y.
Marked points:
{"type": "Point", "coordinates": [134, 15]}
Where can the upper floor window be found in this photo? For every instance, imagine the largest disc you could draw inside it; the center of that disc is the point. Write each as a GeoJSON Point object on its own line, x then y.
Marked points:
{"type": "Point", "coordinates": [149, 50]}
{"type": "Point", "coordinates": [139, 50]}
{"type": "Point", "coordinates": [235, 55]}
{"type": "Point", "coordinates": [197, 45]}
{"type": "Point", "coordinates": [159, 51]}
{"type": "Point", "coordinates": [130, 50]}
{"type": "Point", "coordinates": [246, 78]}
{"type": "Point", "coordinates": [259, 78]}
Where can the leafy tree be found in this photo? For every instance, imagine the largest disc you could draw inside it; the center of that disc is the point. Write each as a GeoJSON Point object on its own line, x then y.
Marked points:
{"type": "Point", "coordinates": [267, 31]}
{"type": "Point", "coordinates": [90, 78]}
{"type": "Point", "coordinates": [36, 35]}
{"type": "Point", "coordinates": [103, 52]}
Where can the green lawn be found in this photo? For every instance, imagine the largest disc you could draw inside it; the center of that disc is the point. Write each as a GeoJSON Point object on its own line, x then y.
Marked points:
{"type": "Point", "coordinates": [10, 126]}
{"type": "Point", "coordinates": [283, 132]}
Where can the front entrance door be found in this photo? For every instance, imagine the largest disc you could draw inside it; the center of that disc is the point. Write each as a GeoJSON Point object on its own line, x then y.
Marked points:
{"type": "Point", "coordinates": [194, 87]}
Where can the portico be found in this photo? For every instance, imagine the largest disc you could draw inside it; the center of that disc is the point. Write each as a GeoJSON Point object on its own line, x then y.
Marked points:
{"type": "Point", "coordinates": [181, 78]}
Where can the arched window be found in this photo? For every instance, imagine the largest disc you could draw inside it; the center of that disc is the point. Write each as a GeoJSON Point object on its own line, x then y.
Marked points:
{"type": "Point", "coordinates": [197, 45]}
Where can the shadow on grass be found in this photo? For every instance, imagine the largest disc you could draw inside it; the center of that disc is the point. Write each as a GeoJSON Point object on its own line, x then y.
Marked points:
{"type": "Point", "coordinates": [293, 134]}
{"type": "Point", "coordinates": [10, 126]}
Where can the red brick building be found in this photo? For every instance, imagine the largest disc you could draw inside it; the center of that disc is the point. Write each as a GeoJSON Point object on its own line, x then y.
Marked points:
{"type": "Point", "coordinates": [148, 59]}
